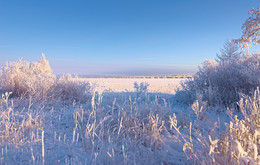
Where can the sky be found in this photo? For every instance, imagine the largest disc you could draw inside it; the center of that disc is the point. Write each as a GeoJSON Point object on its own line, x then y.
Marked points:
{"type": "Point", "coordinates": [119, 37]}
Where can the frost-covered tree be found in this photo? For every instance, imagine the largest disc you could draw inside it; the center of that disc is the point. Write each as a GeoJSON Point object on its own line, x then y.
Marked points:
{"type": "Point", "coordinates": [251, 29]}
{"type": "Point", "coordinates": [230, 51]}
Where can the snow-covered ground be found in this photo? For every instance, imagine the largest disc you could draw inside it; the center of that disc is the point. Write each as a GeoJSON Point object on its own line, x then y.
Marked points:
{"type": "Point", "coordinates": [162, 85]}
{"type": "Point", "coordinates": [116, 126]}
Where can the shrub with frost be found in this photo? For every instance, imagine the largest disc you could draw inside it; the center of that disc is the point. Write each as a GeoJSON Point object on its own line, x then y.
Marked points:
{"type": "Point", "coordinates": [187, 92]}
{"type": "Point", "coordinates": [141, 89]}
{"type": "Point", "coordinates": [26, 79]}
{"type": "Point", "coordinates": [71, 89]}
{"type": "Point", "coordinates": [221, 81]}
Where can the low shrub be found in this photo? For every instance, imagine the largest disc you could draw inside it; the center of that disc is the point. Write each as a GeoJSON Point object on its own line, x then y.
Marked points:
{"type": "Point", "coordinates": [141, 88]}
{"type": "Point", "coordinates": [26, 79]}
{"type": "Point", "coordinates": [71, 89]}
{"type": "Point", "coordinates": [35, 80]}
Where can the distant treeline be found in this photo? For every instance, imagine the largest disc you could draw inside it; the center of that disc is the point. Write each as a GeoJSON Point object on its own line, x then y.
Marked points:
{"type": "Point", "coordinates": [144, 77]}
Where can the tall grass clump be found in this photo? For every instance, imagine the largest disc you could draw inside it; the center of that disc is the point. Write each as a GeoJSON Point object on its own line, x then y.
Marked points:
{"type": "Point", "coordinates": [26, 79]}
{"type": "Point", "coordinates": [16, 127]}
{"type": "Point", "coordinates": [221, 81]}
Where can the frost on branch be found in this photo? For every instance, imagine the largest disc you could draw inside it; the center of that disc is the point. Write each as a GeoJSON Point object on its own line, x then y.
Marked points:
{"type": "Point", "coordinates": [251, 29]}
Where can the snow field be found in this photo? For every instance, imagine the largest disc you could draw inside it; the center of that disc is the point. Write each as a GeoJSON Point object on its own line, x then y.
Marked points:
{"type": "Point", "coordinates": [127, 84]}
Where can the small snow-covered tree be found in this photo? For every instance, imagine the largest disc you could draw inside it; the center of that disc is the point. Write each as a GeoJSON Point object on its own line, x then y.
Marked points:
{"type": "Point", "coordinates": [230, 51]}
{"type": "Point", "coordinates": [251, 29]}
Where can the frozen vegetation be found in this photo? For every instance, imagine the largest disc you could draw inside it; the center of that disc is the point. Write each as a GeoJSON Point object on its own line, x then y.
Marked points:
{"type": "Point", "coordinates": [213, 118]}
{"type": "Point", "coordinates": [66, 120]}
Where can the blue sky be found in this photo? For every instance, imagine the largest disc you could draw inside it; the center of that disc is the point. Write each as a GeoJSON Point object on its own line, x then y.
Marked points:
{"type": "Point", "coordinates": [137, 37]}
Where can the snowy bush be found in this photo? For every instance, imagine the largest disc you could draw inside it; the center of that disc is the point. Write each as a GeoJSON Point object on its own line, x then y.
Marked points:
{"type": "Point", "coordinates": [26, 79]}
{"type": "Point", "coordinates": [36, 80]}
{"type": "Point", "coordinates": [221, 81]}
{"type": "Point", "coordinates": [141, 88]}
{"type": "Point", "coordinates": [71, 89]}
{"type": "Point", "coordinates": [186, 93]}
{"type": "Point", "coordinates": [238, 144]}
